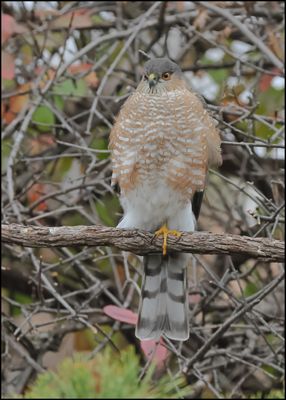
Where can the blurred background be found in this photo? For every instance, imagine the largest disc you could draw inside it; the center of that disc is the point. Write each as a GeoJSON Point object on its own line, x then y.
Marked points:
{"type": "Point", "coordinates": [67, 67]}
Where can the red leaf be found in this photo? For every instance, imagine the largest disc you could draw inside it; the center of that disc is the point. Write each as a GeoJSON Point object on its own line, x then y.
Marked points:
{"type": "Point", "coordinates": [155, 351]}
{"type": "Point", "coordinates": [7, 65]}
{"type": "Point", "coordinates": [195, 298]}
{"type": "Point", "coordinates": [9, 27]}
{"type": "Point", "coordinates": [39, 144]}
{"type": "Point", "coordinates": [265, 80]}
{"type": "Point", "coordinates": [90, 77]}
{"type": "Point", "coordinates": [16, 103]}
{"type": "Point", "coordinates": [8, 24]}
{"type": "Point", "coordinates": [152, 349]}
{"type": "Point", "coordinates": [121, 314]}
{"type": "Point", "coordinates": [35, 192]}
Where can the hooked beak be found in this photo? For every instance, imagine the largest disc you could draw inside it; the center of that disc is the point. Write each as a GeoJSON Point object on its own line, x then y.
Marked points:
{"type": "Point", "coordinates": [153, 80]}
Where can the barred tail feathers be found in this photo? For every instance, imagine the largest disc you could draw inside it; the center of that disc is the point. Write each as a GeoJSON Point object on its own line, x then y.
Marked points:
{"type": "Point", "coordinates": [164, 302]}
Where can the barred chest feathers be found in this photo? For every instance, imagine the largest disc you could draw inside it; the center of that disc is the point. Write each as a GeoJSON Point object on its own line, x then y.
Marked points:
{"type": "Point", "coordinates": [160, 140]}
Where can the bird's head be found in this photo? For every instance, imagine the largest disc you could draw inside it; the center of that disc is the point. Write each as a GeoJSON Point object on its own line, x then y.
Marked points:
{"type": "Point", "coordinates": [160, 74]}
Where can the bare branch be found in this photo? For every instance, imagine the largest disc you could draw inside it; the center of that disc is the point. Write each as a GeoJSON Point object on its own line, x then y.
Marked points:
{"type": "Point", "coordinates": [253, 300]}
{"type": "Point", "coordinates": [244, 29]}
{"type": "Point", "coordinates": [142, 242]}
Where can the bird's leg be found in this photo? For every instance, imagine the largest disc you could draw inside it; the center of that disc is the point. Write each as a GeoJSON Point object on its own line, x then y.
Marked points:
{"type": "Point", "coordinates": [164, 231]}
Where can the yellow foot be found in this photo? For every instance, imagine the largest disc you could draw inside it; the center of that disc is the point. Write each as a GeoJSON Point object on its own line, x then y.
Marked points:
{"type": "Point", "coordinates": [164, 231]}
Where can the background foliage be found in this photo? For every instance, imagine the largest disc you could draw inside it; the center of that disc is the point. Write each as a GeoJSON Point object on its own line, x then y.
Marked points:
{"type": "Point", "coordinates": [67, 67]}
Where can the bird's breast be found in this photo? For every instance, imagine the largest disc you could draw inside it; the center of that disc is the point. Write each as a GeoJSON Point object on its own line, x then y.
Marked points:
{"type": "Point", "coordinates": [157, 139]}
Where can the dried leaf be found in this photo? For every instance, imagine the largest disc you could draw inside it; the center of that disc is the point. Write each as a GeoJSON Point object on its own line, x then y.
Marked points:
{"type": "Point", "coordinates": [224, 34]}
{"type": "Point", "coordinates": [7, 65]}
{"type": "Point", "coordinates": [121, 314]}
{"type": "Point", "coordinates": [48, 76]}
{"type": "Point", "coordinates": [21, 99]}
{"type": "Point", "coordinates": [41, 143]}
{"type": "Point", "coordinates": [75, 19]}
{"type": "Point", "coordinates": [9, 27]}
{"type": "Point", "coordinates": [16, 103]}
{"type": "Point", "coordinates": [201, 20]}
{"type": "Point", "coordinates": [35, 193]}
{"type": "Point", "coordinates": [151, 348]}
{"type": "Point", "coordinates": [155, 351]}
{"type": "Point", "coordinates": [90, 78]}
{"type": "Point", "coordinates": [265, 80]}
{"type": "Point", "coordinates": [195, 298]}
{"type": "Point", "coordinates": [275, 43]}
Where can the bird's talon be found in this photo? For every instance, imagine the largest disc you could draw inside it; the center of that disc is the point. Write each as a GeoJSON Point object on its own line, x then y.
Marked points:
{"type": "Point", "coordinates": [164, 231]}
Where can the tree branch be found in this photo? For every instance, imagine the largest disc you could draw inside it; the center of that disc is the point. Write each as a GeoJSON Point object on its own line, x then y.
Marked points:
{"type": "Point", "coordinates": [142, 242]}
{"type": "Point", "coordinates": [246, 31]}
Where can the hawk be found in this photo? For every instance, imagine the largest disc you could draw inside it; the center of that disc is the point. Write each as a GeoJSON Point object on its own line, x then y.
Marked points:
{"type": "Point", "coordinates": [162, 144]}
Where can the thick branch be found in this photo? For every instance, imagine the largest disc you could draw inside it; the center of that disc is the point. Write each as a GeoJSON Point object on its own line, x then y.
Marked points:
{"type": "Point", "coordinates": [141, 242]}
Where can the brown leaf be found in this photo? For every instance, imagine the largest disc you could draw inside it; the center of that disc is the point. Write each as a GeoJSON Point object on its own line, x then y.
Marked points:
{"type": "Point", "coordinates": [41, 143]}
{"type": "Point", "coordinates": [275, 43]}
{"type": "Point", "coordinates": [16, 103]}
{"type": "Point", "coordinates": [90, 78]}
{"type": "Point", "coordinates": [35, 193]}
{"type": "Point", "coordinates": [201, 20]}
{"type": "Point", "coordinates": [7, 65]}
{"type": "Point", "coordinates": [74, 19]}
{"type": "Point", "coordinates": [265, 80]}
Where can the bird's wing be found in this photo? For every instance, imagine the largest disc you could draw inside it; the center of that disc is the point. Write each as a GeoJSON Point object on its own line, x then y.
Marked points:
{"type": "Point", "coordinates": [120, 142]}
{"type": "Point", "coordinates": [213, 142]}
{"type": "Point", "coordinates": [197, 202]}
{"type": "Point", "coordinates": [212, 137]}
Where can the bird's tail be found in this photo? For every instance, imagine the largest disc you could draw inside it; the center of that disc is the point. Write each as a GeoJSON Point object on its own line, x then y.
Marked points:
{"type": "Point", "coordinates": [164, 298]}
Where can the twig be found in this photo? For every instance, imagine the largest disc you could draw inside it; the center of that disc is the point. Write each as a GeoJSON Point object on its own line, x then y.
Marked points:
{"type": "Point", "coordinates": [116, 61]}
{"type": "Point", "coordinates": [243, 28]}
{"type": "Point", "coordinates": [254, 300]}
{"type": "Point", "coordinates": [24, 353]}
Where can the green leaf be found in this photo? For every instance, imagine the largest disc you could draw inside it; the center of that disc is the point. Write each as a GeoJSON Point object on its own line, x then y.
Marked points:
{"type": "Point", "coordinates": [27, 53]}
{"type": "Point", "coordinates": [51, 41]}
{"type": "Point", "coordinates": [107, 209]}
{"type": "Point", "coordinates": [100, 144]}
{"type": "Point", "coordinates": [22, 299]}
{"type": "Point", "coordinates": [8, 84]}
{"type": "Point", "coordinates": [69, 87]}
{"type": "Point", "coordinates": [62, 167]}
{"type": "Point", "coordinates": [59, 102]}
{"type": "Point", "coordinates": [44, 118]}
{"type": "Point", "coordinates": [270, 101]}
{"type": "Point", "coordinates": [219, 75]}
{"type": "Point", "coordinates": [250, 289]}
{"type": "Point", "coordinates": [5, 152]}
{"type": "Point", "coordinates": [73, 219]}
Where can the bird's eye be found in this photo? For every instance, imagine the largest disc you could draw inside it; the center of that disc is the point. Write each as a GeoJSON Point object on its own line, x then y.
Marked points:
{"type": "Point", "coordinates": [166, 76]}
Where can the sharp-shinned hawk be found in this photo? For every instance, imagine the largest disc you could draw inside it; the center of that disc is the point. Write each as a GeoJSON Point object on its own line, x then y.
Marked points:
{"type": "Point", "coordinates": [162, 143]}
